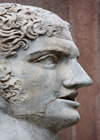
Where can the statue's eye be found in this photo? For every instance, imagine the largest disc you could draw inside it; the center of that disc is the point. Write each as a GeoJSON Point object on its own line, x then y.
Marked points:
{"type": "Point", "coordinates": [47, 60]}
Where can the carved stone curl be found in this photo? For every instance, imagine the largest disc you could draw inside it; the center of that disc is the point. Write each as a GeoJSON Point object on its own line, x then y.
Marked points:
{"type": "Point", "coordinates": [15, 30]}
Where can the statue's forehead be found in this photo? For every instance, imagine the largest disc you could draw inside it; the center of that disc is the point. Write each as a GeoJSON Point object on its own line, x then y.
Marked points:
{"type": "Point", "coordinates": [45, 44]}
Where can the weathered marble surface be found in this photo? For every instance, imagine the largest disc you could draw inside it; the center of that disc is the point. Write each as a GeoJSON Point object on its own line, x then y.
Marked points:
{"type": "Point", "coordinates": [39, 74]}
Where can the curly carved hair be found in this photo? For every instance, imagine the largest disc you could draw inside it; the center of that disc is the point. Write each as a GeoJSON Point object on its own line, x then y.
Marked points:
{"type": "Point", "coordinates": [19, 23]}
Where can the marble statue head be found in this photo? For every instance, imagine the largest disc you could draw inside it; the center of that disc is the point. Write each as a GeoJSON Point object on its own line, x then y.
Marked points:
{"type": "Point", "coordinates": [39, 72]}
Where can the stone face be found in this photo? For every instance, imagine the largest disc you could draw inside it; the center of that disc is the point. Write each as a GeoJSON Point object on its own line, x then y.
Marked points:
{"type": "Point", "coordinates": [39, 73]}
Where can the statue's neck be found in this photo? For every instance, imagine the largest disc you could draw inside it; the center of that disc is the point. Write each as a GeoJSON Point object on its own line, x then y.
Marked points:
{"type": "Point", "coordinates": [37, 133]}
{"type": "Point", "coordinates": [21, 129]}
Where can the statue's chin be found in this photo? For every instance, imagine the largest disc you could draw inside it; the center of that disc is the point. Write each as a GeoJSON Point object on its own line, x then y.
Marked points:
{"type": "Point", "coordinates": [58, 115]}
{"type": "Point", "coordinates": [61, 115]}
{"type": "Point", "coordinates": [61, 122]}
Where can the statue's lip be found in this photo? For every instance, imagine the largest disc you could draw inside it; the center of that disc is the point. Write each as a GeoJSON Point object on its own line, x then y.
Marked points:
{"type": "Point", "coordinates": [69, 99]}
{"type": "Point", "coordinates": [69, 102]}
{"type": "Point", "coordinates": [71, 96]}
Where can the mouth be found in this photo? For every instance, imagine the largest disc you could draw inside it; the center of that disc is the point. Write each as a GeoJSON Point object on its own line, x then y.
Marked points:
{"type": "Point", "coordinates": [70, 99]}
{"type": "Point", "coordinates": [67, 98]}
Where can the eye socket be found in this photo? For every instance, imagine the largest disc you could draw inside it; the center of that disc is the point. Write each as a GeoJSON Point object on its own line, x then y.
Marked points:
{"type": "Point", "coordinates": [47, 60]}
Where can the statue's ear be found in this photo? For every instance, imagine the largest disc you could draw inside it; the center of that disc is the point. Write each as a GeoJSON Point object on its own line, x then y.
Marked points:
{"type": "Point", "coordinates": [5, 71]}
{"type": "Point", "coordinates": [5, 75]}
{"type": "Point", "coordinates": [10, 87]}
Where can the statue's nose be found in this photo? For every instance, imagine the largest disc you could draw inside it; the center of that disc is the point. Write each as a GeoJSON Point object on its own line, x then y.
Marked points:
{"type": "Point", "coordinates": [80, 78]}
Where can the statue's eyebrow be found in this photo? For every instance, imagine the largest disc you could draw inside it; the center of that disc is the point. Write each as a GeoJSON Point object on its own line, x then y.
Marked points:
{"type": "Point", "coordinates": [54, 45]}
{"type": "Point", "coordinates": [36, 55]}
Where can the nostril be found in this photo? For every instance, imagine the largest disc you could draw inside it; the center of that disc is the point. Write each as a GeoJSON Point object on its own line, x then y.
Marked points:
{"type": "Point", "coordinates": [77, 83]}
{"type": "Point", "coordinates": [67, 84]}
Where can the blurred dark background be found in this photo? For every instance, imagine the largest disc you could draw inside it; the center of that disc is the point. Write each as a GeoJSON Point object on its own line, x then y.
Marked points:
{"type": "Point", "coordinates": [83, 15]}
